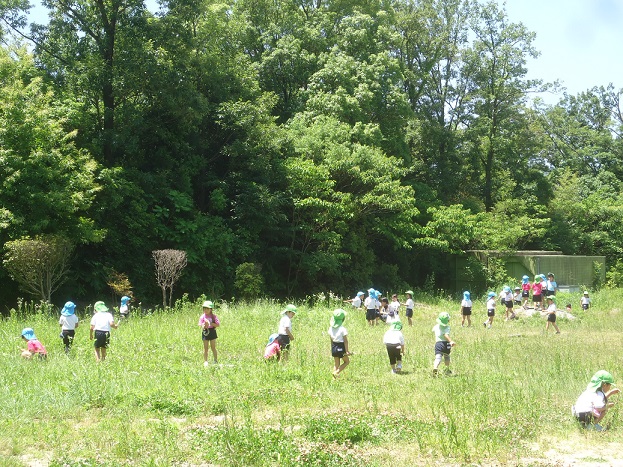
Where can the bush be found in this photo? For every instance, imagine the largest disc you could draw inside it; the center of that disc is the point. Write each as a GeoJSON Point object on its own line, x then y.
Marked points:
{"type": "Point", "coordinates": [249, 282]}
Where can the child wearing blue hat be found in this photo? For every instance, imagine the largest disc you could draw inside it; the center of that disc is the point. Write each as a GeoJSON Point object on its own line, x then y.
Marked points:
{"type": "Point", "coordinates": [356, 302]}
{"type": "Point", "coordinates": [68, 323]}
{"type": "Point", "coordinates": [34, 347]}
{"type": "Point", "coordinates": [525, 290]}
{"type": "Point", "coordinates": [466, 309]}
{"type": "Point", "coordinates": [372, 307]}
{"type": "Point", "coordinates": [124, 308]}
{"type": "Point", "coordinates": [490, 310]}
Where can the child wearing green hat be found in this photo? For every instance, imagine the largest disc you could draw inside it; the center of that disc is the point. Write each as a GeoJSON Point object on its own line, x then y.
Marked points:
{"type": "Point", "coordinates": [593, 403]}
{"type": "Point", "coordinates": [101, 322]}
{"type": "Point", "coordinates": [395, 344]}
{"type": "Point", "coordinates": [339, 342]}
{"type": "Point", "coordinates": [443, 343]}
{"type": "Point", "coordinates": [208, 322]}
{"type": "Point", "coordinates": [551, 314]}
{"type": "Point", "coordinates": [537, 290]}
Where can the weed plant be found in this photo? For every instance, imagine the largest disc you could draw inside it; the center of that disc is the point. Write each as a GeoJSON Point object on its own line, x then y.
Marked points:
{"type": "Point", "coordinates": [152, 402]}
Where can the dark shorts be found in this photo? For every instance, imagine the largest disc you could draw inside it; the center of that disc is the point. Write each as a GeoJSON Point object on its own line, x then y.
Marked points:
{"type": "Point", "coordinates": [536, 298]}
{"type": "Point", "coordinates": [585, 306]}
{"type": "Point", "coordinates": [102, 339]}
{"type": "Point", "coordinates": [549, 293]}
{"type": "Point", "coordinates": [284, 341]}
{"type": "Point", "coordinates": [68, 336]}
{"type": "Point", "coordinates": [585, 418]}
{"type": "Point", "coordinates": [508, 304]}
{"type": "Point", "coordinates": [525, 293]}
{"type": "Point", "coordinates": [372, 314]}
{"type": "Point", "coordinates": [467, 310]}
{"type": "Point", "coordinates": [208, 334]}
{"type": "Point", "coordinates": [551, 317]}
{"type": "Point", "coordinates": [393, 351]}
{"type": "Point", "coordinates": [491, 312]}
{"type": "Point", "coordinates": [409, 313]}
{"type": "Point", "coordinates": [442, 347]}
{"type": "Point", "coordinates": [337, 349]}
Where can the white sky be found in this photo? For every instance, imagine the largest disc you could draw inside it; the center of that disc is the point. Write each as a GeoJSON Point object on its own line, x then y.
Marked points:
{"type": "Point", "coordinates": [580, 41]}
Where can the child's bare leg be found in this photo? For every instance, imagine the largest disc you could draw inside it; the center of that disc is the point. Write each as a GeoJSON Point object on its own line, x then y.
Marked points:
{"type": "Point", "coordinates": [336, 365]}
{"type": "Point", "coordinates": [469, 321]}
{"type": "Point", "coordinates": [206, 348]}
{"type": "Point", "coordinates": [410, 321]}
{"type": "Point", "coordinates": [213, 347]}
{"type": "Point", "coordinates": [103, 351]}
{"type": "Point", "coordinates": [556, 327]}
{"type": "Point", "coordinates": [97, 354]}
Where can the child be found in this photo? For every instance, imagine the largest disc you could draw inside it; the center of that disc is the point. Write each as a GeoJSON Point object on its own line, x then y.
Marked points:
{"type": "Point", "coordinates": [371, 304]}
{"type": "Point", "coordinates": [68, 323]}
{"type": "Point", "coordinates": [384, 311]}
{"type": "Point", "coordinates": [551, 314]}
{"type": "Point", "coordinates": [124, 308]}
{"type": "Point", "coordinates": [395, 305]}
{"type": "Point", "coordinates": [517, 296]}
{"type": "Point", "coordinates": [208, 322]}
{"type": "Point", "coordinates": [34, 347]}
{"type": "Point", "coordinates": [551, 285]}
{"type": "Point", "coordinates": [410, 305]}
{"type": "Point", "coordinates": [395, 344]}
{"type": "Point", "coordinates": [585, 301]}
{"type": "Point", "coordinates": [490, 310]}
{"type": "Point", "coordinates": [593, 403]}
{"type": "Point", "coordinates": [508, 302]}
{"type": "Point", "coordinates": [356, 302]}
{"type": "Point", "coordinates": [272, 350]}
{"type": "Point", "coordinates": [339, 342]}
{"type": "Point", "coordinates": [443, 343]}
{"type": "Point", "coordinates": [537, 288]}
{"type": "Point", "coordinates": [101, 322]}
{"type": "Point", "coordinates": [285, 331]}
{"type": "Point", "coordinates": [525, 291]}
{"type": "Point", "coordinates": [466, 309]}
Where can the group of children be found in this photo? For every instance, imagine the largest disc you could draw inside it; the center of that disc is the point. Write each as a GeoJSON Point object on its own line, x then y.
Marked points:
{"type": "Point", "coordinates": [102, 322]}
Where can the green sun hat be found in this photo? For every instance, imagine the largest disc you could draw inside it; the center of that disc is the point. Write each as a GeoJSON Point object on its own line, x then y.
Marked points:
{"type": "Point", "coordinates": [410, 292]}
{"type": "Point", "coordinates": [599, 378]}
{"type": "Point", "coordinates": [100, 306]}
{"type": "Point", "coordinates": [289, 308]}
{"type": "Point", "coordinates": [397, 325]}
{"type": "Point", "coordinates": [552, 298]}
{"type": "Point", "coordinates": [444, 318]}
{"type": "Point", "coordinates": [338, 318]}
{"type": "Point", "coordinates": [537, 278]}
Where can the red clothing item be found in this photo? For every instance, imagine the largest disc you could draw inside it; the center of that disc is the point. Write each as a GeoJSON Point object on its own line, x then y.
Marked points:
{"type": "Point", "coordinates": [35, 346]}
{"type": "Point", "coordinates": [537, 288]}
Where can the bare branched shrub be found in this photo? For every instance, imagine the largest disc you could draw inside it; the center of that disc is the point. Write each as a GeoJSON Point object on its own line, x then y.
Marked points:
{"type": "Point", "coordinates": [169, 267]}
{"type": "Point", "coordinates": [39, 265]}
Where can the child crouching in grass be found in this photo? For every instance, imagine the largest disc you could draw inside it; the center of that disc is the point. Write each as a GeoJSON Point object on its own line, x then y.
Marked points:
{"type": "Point", "coordinates": [443, 343]}
{"type": "Point", "coordinates": [34, 347]}
{"type": "Point", "coordinates": [339, 342]}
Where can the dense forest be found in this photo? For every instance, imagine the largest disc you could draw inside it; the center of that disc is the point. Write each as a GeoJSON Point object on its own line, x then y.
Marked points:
{"type": "Point", "coordinates": [294, 146]}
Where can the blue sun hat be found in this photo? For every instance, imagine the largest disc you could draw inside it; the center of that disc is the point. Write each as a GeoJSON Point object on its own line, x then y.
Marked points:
{"type": "Point", "coordinates": [28, 334]}
{"type": "Point", "coordinates": [69, 309]}
{"type": "Point", "coordinates": [360, 294]}
{"type": "Point", "coordinates": [272, 338]}
{"type": "Point", "coordinates": [525, 279]}
{"type": "Point", "coordinates": [491, 295]}
{"type": "Point", "coordinates": [507, 289]}
{"type": "Point", "coordinates": [466, 295]}
{"type": "Point", "coordinates": [371, 292]}
{"type": "Point", "coordinates": [125, 299]}
{"type": "Point", "coordinates": [543, 277]}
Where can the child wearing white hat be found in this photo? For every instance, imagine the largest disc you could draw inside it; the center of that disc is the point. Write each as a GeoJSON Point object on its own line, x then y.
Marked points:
{"type": "Point", "coordinates": [585, 301]}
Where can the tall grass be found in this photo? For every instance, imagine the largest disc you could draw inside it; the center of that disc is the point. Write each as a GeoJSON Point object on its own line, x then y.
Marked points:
{"type": "Point", "coordinates": [152, 402]}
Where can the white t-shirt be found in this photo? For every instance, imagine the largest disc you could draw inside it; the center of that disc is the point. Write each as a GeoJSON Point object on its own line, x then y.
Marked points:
{"type": "Point", "coordinates": [551, 308]}
{"type": "Point", "coordinates": [284, 323]}
{"type": "Point", "coordinates": [337, 334]}
{"type": "Point", "coordinates": [394, 306]}
{"type": "Point", "coordinates": [590, 400]}
{"type": "Point", "coordinates": [370, 303]}
{"type": "Point", "coordinates": [491, 303]}
{"type": "Point", "coordinates": [68, 323]}
{"type": "Point", "coordinates": [508, 296]}
{"type": "Point", "coordinates": [409, 304]}
{"type": "Point", "coordinates": [393, 337]}
{"type": "Point", "coordinates": [585, 300]}
{"type": "Point", "coordinates": [101, 321]}
{"type": "Point", "coordinates": [466, 303]}
{"type": "Point", "coordinates": [357, 302]}
{"type": "Point", "coordinates": [123, 309]}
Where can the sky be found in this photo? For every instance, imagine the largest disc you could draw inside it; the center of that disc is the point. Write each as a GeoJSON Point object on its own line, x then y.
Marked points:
{"type": "Point", "coordinates": [580, 41]}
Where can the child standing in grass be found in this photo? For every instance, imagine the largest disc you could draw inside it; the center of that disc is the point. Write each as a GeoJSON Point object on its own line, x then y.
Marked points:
{"type": "Point", "coordinates": [508, 302]}
{"type": "Point", "coordinates": [537, 289]}
{"type": "Point", "coordinates": [285, 330]}
{"type": "Point", "coordinates": [68, 323]}
{"type": "Point", "coordinates": [339, 342]}
{"type": "Point", "coordinates": [101, 322]}
{"type": "Point", "coordinates": [551, 314]}
{"type": "Point", "coordinates": [395, 344]}
{"type": "Point", "coordinates": [124, 308]}
{"type": "Point", "coordinates": [585, 301]}
{"type": "Point", "coordinates": [443, 343]}
{"type": "Point", "coordinates": [593, 403]}
{"type": "Point", "coordinates": [371, 304]}
{"type": "Point", "coordinates": [33, 347]}
{"type": "Point", "coordinates": [356, 302]}
{"type": "Point", "coordinates": [525, 291]}
{"type": "Point", "coordinates": [466, 309]}
{"type": "Point", "coordinates": [208, 322]}
{"type": "Point", "coordinates": [490, 309]}
{"type": "Point", "coordinates": [409, 304]}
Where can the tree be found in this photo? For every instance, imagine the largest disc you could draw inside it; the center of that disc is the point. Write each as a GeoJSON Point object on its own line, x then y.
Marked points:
{"type": "Point", "coordinates": [169, 267]}
{"type": "Point", "coordinates": [38, 265]}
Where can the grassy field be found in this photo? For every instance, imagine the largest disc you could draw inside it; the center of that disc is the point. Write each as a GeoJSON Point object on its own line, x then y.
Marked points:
{"type": "Point", "coordinates": [153, 403]}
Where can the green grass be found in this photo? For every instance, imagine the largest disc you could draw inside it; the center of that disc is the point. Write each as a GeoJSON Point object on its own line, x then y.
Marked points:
{"type": "Point", "coordinates": [153, 403]}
